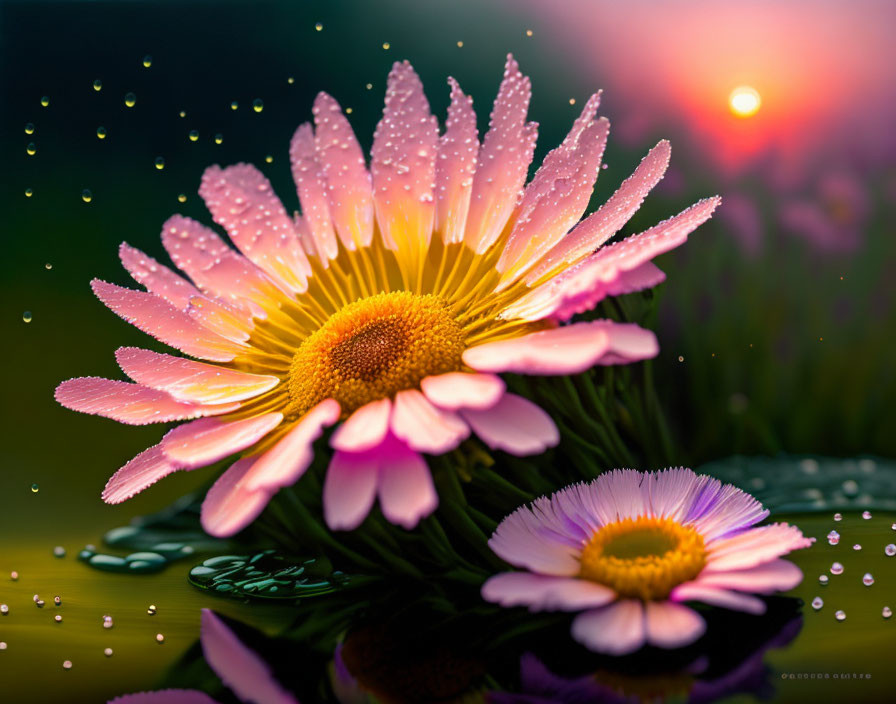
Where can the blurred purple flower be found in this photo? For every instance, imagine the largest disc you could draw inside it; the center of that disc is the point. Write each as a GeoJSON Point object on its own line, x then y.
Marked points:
{"type": "Point", "coordinates": [740, 217]}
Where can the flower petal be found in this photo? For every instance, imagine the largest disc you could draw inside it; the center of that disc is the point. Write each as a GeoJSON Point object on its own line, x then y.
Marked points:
{"type": "Point", "coordinates": [406, 490]}
{"type": "Point", "coordinates": [130, 403]}
{"type": "Point", "coordinates": [311, 185]}
{"type": "Point", "coordinates": [768, 577]}
{"type": "Point", "coordinates": [456, 166]}
{"type": "Point", "coordinates": [208, 440]}
{"type": "Point", "coordinates": [350, 489]}
{"type": "Point", "coordinates": [143, 471]}
{"type": "Point", "coordinates": [456, 390]}
{"type": "Point", "coordinates": [348, 181]}
{"type": "Point", "coordinates": [229, 506]}
{"type": "Point", "coordinates": [242, 201]}
{"type": "Point", "coordinates": [694, 591]}
{"type": "Point", "coordinates": [403, 163]}
{"type": "Point", "coordinates": [423, 427]}
{"type": "Point", "coordinates": [188, 380]}
{"type": "Point", "coordinates": [521, 540]}
{"type": "Point", "coordinates": [157, 279]}
{"type": "Point", "coordinates": [514, 425]}
{"type": "Point", "coordinates": [755, 546]}
{"type": "Point", "coordinates": [616, 629]}
{"type": "Point", "coordinates": [364, 429]}
{"type": "Point", "coordinates": [239, 667]}
{"type": "Point", "coordinates": [284, 463]}
{"type": "Point", "coordinates": [158, 318]}
{"type": "Point", "coordinates": [671, 625]}
{"type": "Point", "coordinates": [545, 593]}
{"type": "Point", "coordinates": [503, 161]}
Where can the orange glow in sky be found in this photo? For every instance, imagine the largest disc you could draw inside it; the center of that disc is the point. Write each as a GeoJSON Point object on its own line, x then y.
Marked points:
{"type": "Point", "coordinates": [744, 101]}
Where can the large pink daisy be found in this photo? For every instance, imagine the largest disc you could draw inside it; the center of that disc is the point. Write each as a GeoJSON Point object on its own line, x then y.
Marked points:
{"type": "Point", "coordinates": [388, 308]}
{"type": "Point", "coordinates": [628, 548]}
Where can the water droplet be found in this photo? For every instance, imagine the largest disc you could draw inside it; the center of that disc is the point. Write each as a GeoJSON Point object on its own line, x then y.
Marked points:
{"type": "Point", "coordinates": [866, 515]}
{"type": "Point", "coordinates": [194, 135]}
{"type": "Point", "coordinates": [57, 600]}
{"type": "Point", "coordinates": [290, 80]}
{"type": "Point", "coordinates": [460, 45]}
{"type": "Point", "coordinates": [147, 61]}
{"type": "Point", "coordinates": [833, 537]}
{"type": "Point", "coordinates": [40, 603]}
{"type": "Point", "coordinates": [58, 618]}
{"type": "Point", "coordinates": [29, 128]}
{"type": "Point", "coordinates": [890, 550]}
{"type": "Point", "coordinates": [258, 105]}
{"type": "Point", "coordinates": [838, 517]}
{"type": "Point", "coordinates": [234, 105]}
{"type": "Point", "coordinates": [31, 149]}
{"type": "Point", "coordinates": [160, 638]}
{"type": "Point", "coordinates": [386, 46]}
{"type": "Point", "coordinates": [101, 132]}
{"type": "Point", "coordinates": [318, 26]}
{"type": "Point", "coordinates": [219, 138]}
{"type": "Point", "coordinates": [840, 615]}
{"type": "Point", "coordinates": [28, 192]}
{"type": "Point", "coordinates": [528, 32]}
{"type": "Point", "coordinates": [269, 159]}
{"type": "Point", "coordinates": [856, 547]}
{"type": "Point", "coordinates": [160, 163]}
{"type": "Point", "coordinates": [59, 551]}
{"type": "Point", "coordinates": [48, 266]}
{"type": "Point", "coordinates": [97, 85]}
{"type": "Point", "coordinates": [823, 579]}
{"type": "Point", "coordinates": [86, 195]}
{"type": "Point", "coordinates": [130, 100]}
{"type": "Point", "coordinates": [836, 568]}
{"type": "Point", "coordinates": [868, 579]}
{"type": "Point", "coordinates": [348, 111]}
{"type": "Point", "coordinates": [680, 358]}
{"type": "Point", "coordinates": [67, 665]}
{"type": "Point", "coordinates": [45, 101]}
{"type": "Point", "coordinates": [14, 576]}
{"type": "Point", "coordinates": [182, 198]}
{"type": "Point", "coordinates": [572, 101]}
{"type": "Point", "coordinates": [369, 86]}
{"type": "Point", "coordinates": [151, 610]}
{"type": "Point", "coordinates": [886, 612]}
{"type": "Point", "coordinates": [817, 603]}
{"type": "Point", "coordinates": [182, 113]}
{"type": "Point", "coordinates": [108, 652]}
{"type": "Point", "coordinates": [2, 645]}
{"type": "Point", "coordinates": [108, 622]}
{"type": "Point", "coordinates": [893, 526]}
{"type": "Point", "coordinates": [34, 487]}
{"type": "Point", "coordinates": [4, 609]}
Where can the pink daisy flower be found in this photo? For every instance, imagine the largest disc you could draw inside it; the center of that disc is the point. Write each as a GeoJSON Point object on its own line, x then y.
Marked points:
{"type": "Point", "coordinates": [388, 308]}
{"type": "Point", "coordinates": [628, 548]}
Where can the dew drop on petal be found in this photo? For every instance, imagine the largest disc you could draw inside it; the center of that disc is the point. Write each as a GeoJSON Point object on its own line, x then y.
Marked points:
{"type": "Point", "coordinates": [840, 615]}
{"type": "Point", "coordinates": [130, 100]}
{"type": "Point", "coordinates": [868, 579]}
{"type": "Point", "coordinates": [890, 550]}
{"type": "Point", "coordinates": [836, 568]}
{"type": "Point", "coordinates": [97, 85]}
{"type": "Point", "coordinates": [101, 132]}
{"type": "Point", "coordinates": [258, 105]}
{"type": "Point", "coordinates": [817, 603]}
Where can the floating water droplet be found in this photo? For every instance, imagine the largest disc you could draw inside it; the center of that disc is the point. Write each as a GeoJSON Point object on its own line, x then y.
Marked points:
{"type": "Point", "coordinates": [182, 113]}
{"type": "Point", "coordinates": [528, 32]}
{"type": "Point", "coordinates": [40, 603]}
{"type": "Point", "coordinates": [269, 159]}
{"type": "Point", "coordinates": [28, 192]}
{"type": "Point", "coordinates": [14, 576]}
{"type": "Point", "coordinates": [823, 579]}
{"type": "Point", "coordinates": [817, 603]}
{"type": "Point", "coordinates": [45, 101]}
{"type": "Point", "coordinates": [386, 46]}
{"type": "Point", "coordinates": [234, 105]}
{"type": "Point", "coordinates": [886, 612]}
{"type": "Point", "coordinates": [893, 526]}
{"type": "Point", "coordinates": [182, 198]}
{"type": "Point", "coordinates": [58, 618]}
{"type": "Point", "coordinates": [318, 26]}
{"type": "Point", "coordinates": [67, 665]}
{"type": "Point", "coordinates": [290, 80]}
{"type": "Point", "coordinates": [460, 45]}
{"type": "Point", "coordinates": [151, 610]}
{"type": "Point", "coordinates": [59, 551]}
{"type": "Point", "coordinates": [108, 622]}
{"type": "Point", "coordinates": [836, 568]}
{"type": "Point", "coordinates": [369, 86]}
{"type": "Point", "coordinates": [101, 132]}
{"type": "Point", "coordinates": [29, 128]}
{"type": "Point", "coordinates": [35, 598]}
{"type": "Point", "coordinates": [86, 195]}
{"type": "Point", "coordinates": [258, 105]}
{"type": "Point", "coordinates": [160, 638]}
{"type": "Point", "coordinates": [890, 550]}
{"type": "Point", "coordinates": [57, 600]}
{"type": "Point", "coordinates": [840, 615]}
{"type": "Point", "coordinates": [97, 85]}
{"type": "Point", "coordinates": [34, 487]}
{"type": "Point", "coordinates": [866, 515]}
{"type": "Point", "coordinates": [31, 149]}
{"type": "Point", "coordinates": [147, 61]}
{"type": "Point", "coordinates": [130, 100]}
{"type": "Point", "coordinates": [680, 358]}
{"type": "Point", "coordinates": [48, 266]}
{"type": "Point", "coordinates": [160, 163]}
{"type": "Point", "coordinates": [833, 537]}
{"type": "Point", "coordinates": [857, 547]}
{"type": "Point", "coordinates": [868, 579]}
{"type": "Point", "coordinates": [108, 652]}
{"type": "Point", "coordinates": [27, 317]}
{"type": "Point", "coordinates": [193, 135]}
{"type": "Point", "coordinates": [219, 138]}
{"type": "Point", "coordinates": [2, 645]}
{"type": "Point", "coordinates": [4, 609]}
{"type": "Point", "coordinates": [348, 111]}
{"type": "Point", "coordinates": [838, 516]}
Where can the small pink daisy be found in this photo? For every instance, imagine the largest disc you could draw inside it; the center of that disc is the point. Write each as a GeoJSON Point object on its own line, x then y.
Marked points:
{"type": "Point", "coordinates": [627, 548]}
{"type": "Point", "coordinates": [388, 308]}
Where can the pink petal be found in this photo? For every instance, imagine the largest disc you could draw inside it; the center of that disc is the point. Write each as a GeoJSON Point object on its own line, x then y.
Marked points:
{"type": "Point", "coordinates": [242, 201]}
{"type": "Point", "coordinates": [455, 166]}
{"type": "Point", "coordinates": [423, 427]}
{"type": "Point", "coordinates": [580, 287]}
{"type": "Point", "coordinates": [628, 343]}
{"type": "Point", "coordinates": [155, 317]}
{"type": "Point", "coordinates": [157, 279]}
{"type": "Point", "coordinates": [239, 667]}
{"type": "Point", "coordinates": [503, 161]}
{"type": "Point", "coordinates": [229, 506]}
{"type": "Point", "coordinates": [143, 471]}
{"type": "Point", "coordinates": [526, 539]}
{"type": "Point", "coordinates": [456, 390]}
{"type": "Point", "coordinates": [405, 488]}
{"type": "Point", "coordinates": [545, 593]}
{"type": "Point", "coordinates": [768, 577]}
{"type": "Point", "coordinates": [165, 696]}
{"type": "Point", "coordinates": [365, 428]}
{"type": "Point", "coordinates": [284, 463]}
{"type": "Point", "coordinates": [402, 162]}
{"type": "Point", "coordinates": [616, 629]}
{"type": "Point", "coordinates": [671, 625]}
{"type": "Point", "coordinates": [312, 188]}
{"type": "Point", "coordinates": [755, 546]}
{"type": "Point", "coordinates": [642, 277]}
{"type": "Point", "coordinates": [670, 492]}
{"type": "Point", "coordinates": [208, 440]}
{"type": "Point", "coordinates": [129, 403]}
{"type": "Point", "coordinates": [722, 509]}
{"type": "Point", "coordinates": [694, 591]}
{"type": "Point", "coordinates": [222, 318]}
{"type": "Point", "coordinates": [187, 380]}
{"type": "Point", "coordinates": [348, 182]}
{"type": "Point", "coordinates": [350, 489]}
{"type": "Point", "coordinates": [612, 215]}
{"type": "Point", "coordinates": [514, 425]}
{"type": "Point", "coordinates": [570, 349]}
{"type": "Point", "coordinates": [558, 194]}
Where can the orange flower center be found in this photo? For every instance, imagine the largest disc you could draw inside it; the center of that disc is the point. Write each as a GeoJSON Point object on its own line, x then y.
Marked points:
{"type": "Point", "coordinates": [644, 557]}
{"type": "Point", "coordinates": [374, 348]}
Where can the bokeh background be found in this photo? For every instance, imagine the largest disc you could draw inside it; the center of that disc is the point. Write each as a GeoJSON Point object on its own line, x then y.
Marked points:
{"type": "Point", "coordinates": [777, 319]}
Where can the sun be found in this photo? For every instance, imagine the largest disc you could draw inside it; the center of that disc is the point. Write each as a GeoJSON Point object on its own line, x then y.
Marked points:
{"type": "Point", "coordinates": [744, 101]}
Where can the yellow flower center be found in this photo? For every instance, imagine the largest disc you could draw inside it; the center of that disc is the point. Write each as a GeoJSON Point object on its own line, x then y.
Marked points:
{"type": "Point", "coordinates": [374, 348]}
{"type": "Point", "coordinates": [644, 557]}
